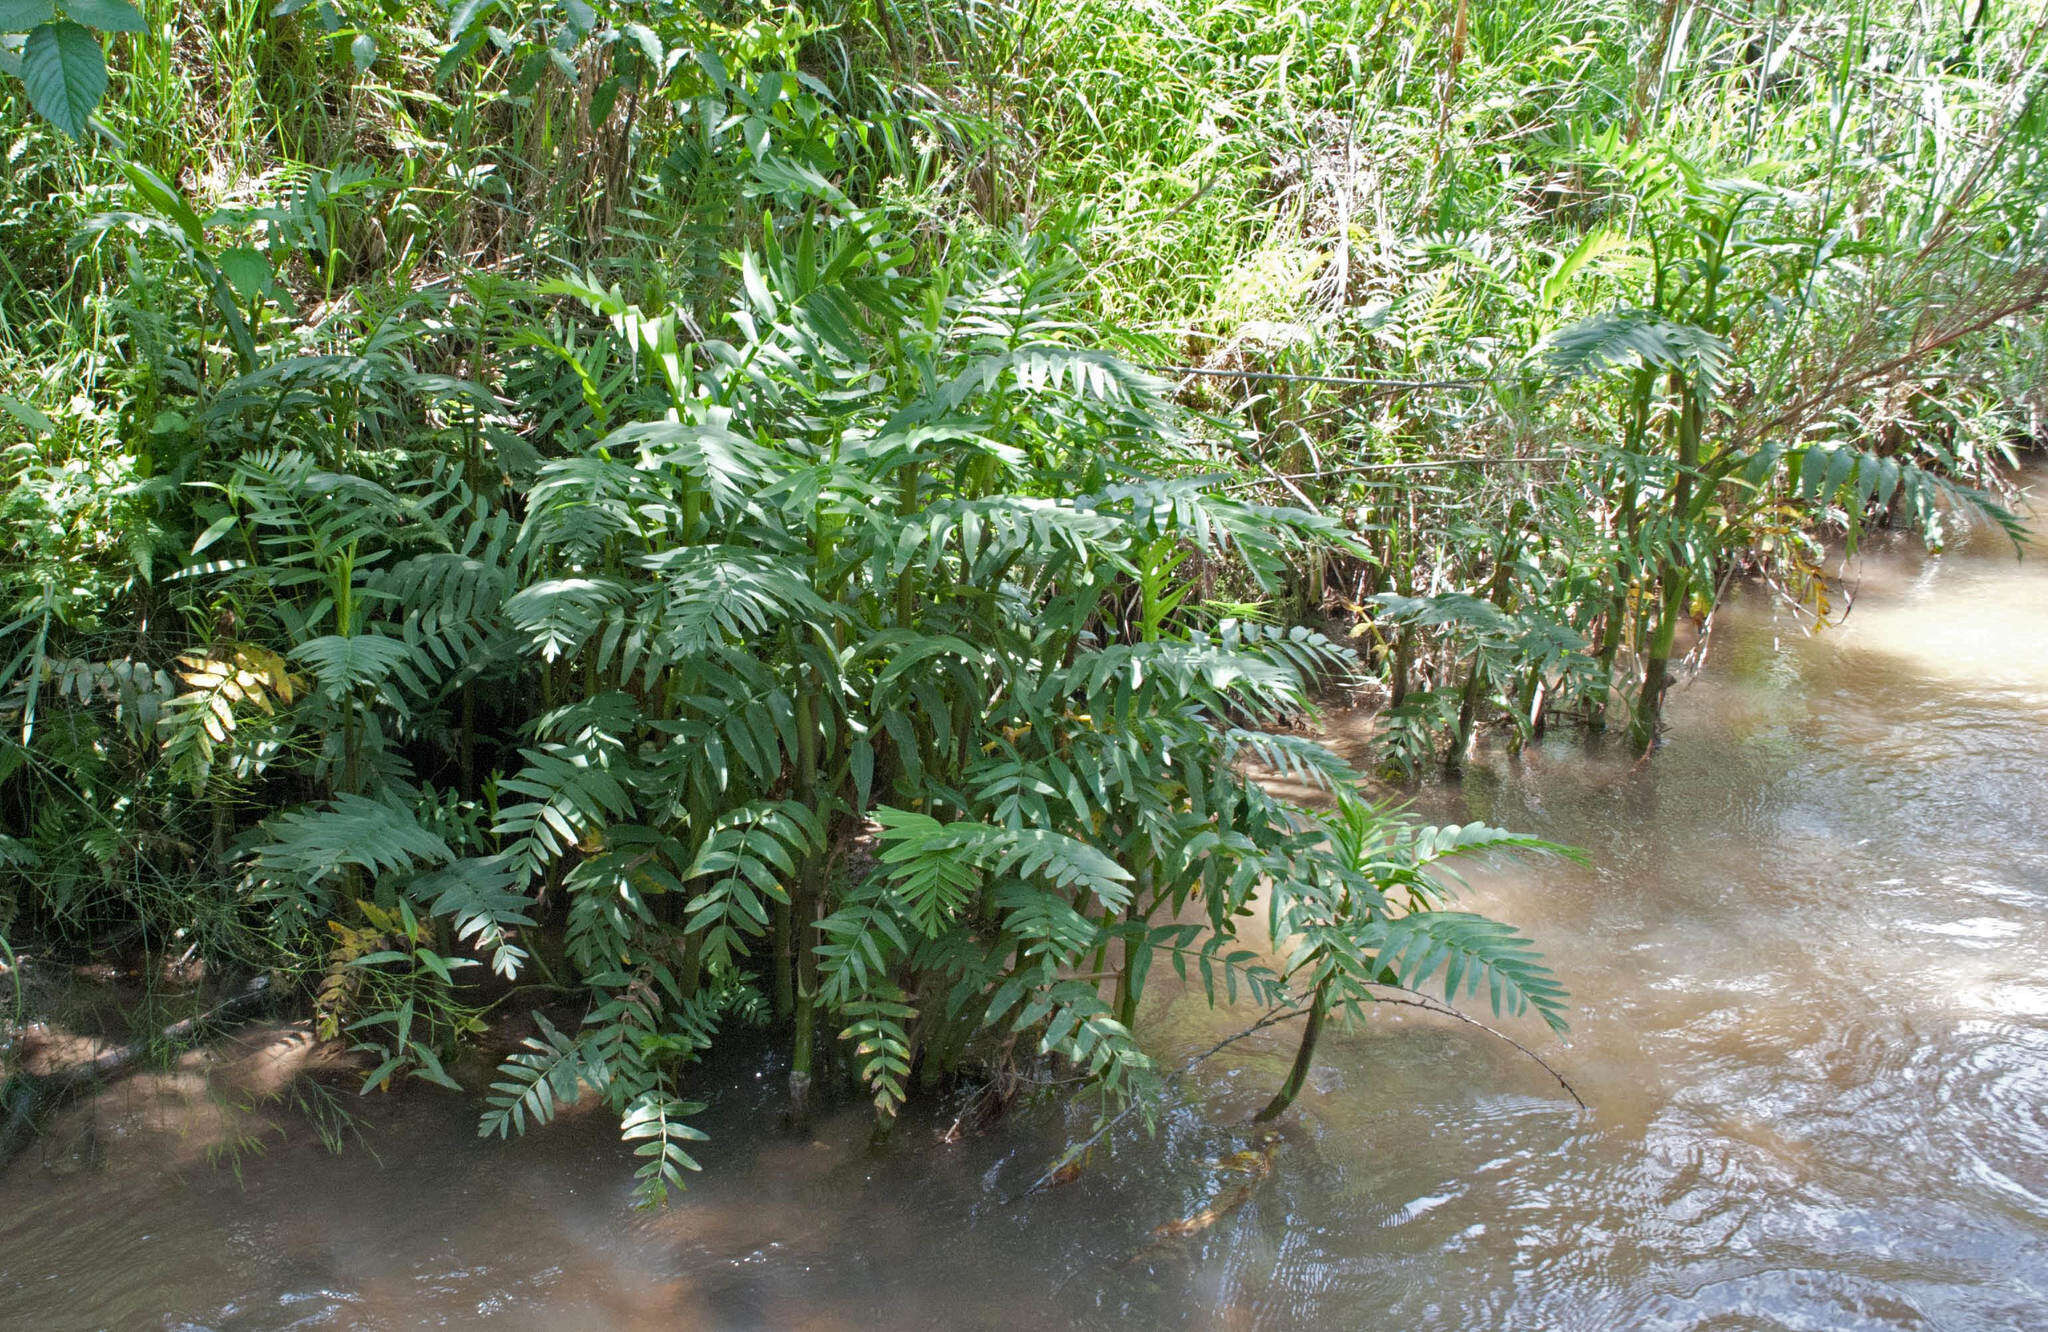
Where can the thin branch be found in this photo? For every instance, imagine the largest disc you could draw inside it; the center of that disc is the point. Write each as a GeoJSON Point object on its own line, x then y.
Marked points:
{"type": "Point", "coordinates": [1358, 381]}
{"type": "Point", "coordinates": [1286, 483]}
{"type": "Point", "coordinates": [29, 1095]}
{"type": "Point", "coordinates": [1794, 419]}
{"type": "Point", "coordinates": [1428, 1005]}
{"type": "Point", "coordinates": [1696, 660]}
{"type": "Point", "coordinates": [1431, 464]}
{"type": "Point", "coordinates": [1273, 1018]}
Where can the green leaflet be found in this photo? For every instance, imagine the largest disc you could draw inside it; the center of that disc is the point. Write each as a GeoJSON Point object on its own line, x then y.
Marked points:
{"type": "Point", "coordinates": [65, 74]}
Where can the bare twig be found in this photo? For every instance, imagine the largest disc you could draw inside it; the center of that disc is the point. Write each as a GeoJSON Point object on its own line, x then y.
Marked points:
{"type": "Point", "coordinates": [27, 1097]}
{"type": "Point", "coordinates": [1426, 465]}
{"type": "Point", "coordinates": [1428, 1005]}
{"type": "Point", "coordinates": [1274, 1017]}
{"type": "Point", "coordinates": [1360, 381]}
{"type": "Point", "coordinates": [1793, 419]}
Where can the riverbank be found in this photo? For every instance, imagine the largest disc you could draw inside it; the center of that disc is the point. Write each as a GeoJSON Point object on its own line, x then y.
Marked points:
{"type": "Point", "coordinates": [1811, 1019]}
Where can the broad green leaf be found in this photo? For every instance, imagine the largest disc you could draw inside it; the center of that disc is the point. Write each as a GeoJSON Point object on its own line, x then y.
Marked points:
{"type": "Point", "coordinates": [1598, 241]}
{"type": "Point", "coordinates": [650, 45]}
{"type": "Point", "coordinates": [363, 50]}
{"type": "Point", "coordinates": [32, 419]}
{"type": "Point", "coordinates": [21, 15]}
{"type": "Point", "coordinates": [162, 196]}
{"type": "Point", "coordinates": [106, 15]}
{"type": "Point", "coordinates": [526, 77]}
{"type": "Point", "coordinates": [246, 270]}
{"type": "Point", "coordinates": [65, 74]}
{"type": "Point", "coordinates": [602, 100]}
{"type": "Point", "coordinates": [215, 530]}
{"type": "Point", "coordinates": [468, 14]}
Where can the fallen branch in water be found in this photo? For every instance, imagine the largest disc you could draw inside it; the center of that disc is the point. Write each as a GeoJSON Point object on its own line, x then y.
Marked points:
{"type": "Point", "coordinates": [1429, 1005]}
{"type": "Point", "coordinates": [1273, 1018]}
{"type": "Point", "coordinates": [26, 1097]}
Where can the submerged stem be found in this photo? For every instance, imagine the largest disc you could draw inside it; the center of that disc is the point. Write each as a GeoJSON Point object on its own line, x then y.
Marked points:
{"type": "Point", "coordinates": [1304, 1057]}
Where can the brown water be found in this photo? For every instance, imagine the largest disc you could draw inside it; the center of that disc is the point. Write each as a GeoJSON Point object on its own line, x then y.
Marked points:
{"type": "Point", "coordinates": [1811, 1016]}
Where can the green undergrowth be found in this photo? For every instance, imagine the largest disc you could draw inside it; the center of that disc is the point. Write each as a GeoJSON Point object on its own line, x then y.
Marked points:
{"type": "Point", "coordinates": [808, 517]}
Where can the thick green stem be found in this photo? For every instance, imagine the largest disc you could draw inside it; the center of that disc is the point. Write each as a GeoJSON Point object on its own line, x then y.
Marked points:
{"type": "Point", "coordinates": [1475, 677]}
{"type": "Point", "coordinates": [1401, 555]}
{"type": "Point", "coordinates": [945, 1041]}
{"type": "Point", "coordinates": [906, 582]}
{"type": "Point", "coordinates": [1657, 669]}
{"type": "Point", "coordinates": [1468, 712]}
{"type": "Point", "coordinates": [802, 913]}
{"type": "Point", "coordinates": [1126, 999]}
{"type": "Point", "coordinates": [785, 968]}
{"type": "Point", "coordinates": [1404, 665]}
{"type": "Point", "coordinates": [693, 965]}
{"type": "Point", "coordinates": [1610, 648]}
{"type": "Point", "coordinates": [1627, 521]}
{"type": "Point", "coordinates": [931, 1069]}
{"type": "Point", "coordinates": [800, 1053]}
{"type": "Point", "coordinates": [1529, 706]}
{"type": "Point", "coordinates": [1130, 978]}
{"type": "Point", "coordinates": [466, 750]}
{"type": "Point", "coordinates": [1304, 1058]}
{"type": "Point", "coordinates": [1676, 581]}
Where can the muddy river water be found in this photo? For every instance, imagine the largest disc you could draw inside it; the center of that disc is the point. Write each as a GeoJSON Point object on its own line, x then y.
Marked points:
{"type": "Point", "coordinates": [1809, 969]}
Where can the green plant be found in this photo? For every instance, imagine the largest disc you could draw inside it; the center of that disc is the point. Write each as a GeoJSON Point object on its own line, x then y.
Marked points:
{"type": "Point", "coordinates": [1722, 263]}
{"type": "Point", "coordinates": [856, 594]}
{"type": "Point", "coordinates": [664, 502]}
{"type": "Point", "coordinates": [1376, 918]}
{"type": "Point", "coordinates": [52, 49]}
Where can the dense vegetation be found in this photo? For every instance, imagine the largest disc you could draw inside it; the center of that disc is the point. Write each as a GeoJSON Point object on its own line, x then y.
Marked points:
{"type": "Point", "coordinates": [808, 518]}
